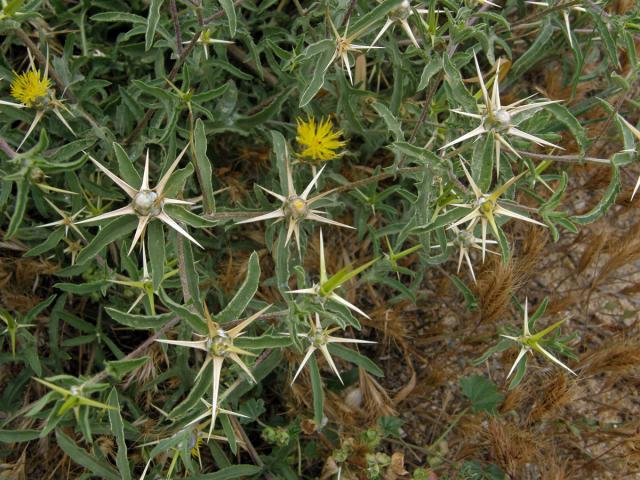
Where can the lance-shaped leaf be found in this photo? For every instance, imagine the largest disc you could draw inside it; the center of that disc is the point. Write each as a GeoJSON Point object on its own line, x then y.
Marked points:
{"type": "Point", "coordinates": [245, 293]}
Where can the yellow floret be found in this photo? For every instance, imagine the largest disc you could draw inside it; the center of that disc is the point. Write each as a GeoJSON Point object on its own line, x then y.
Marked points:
{"type": "Point", "coordinates": [320, 141]}
{"type": "Point", "coordinates": [30, 87]}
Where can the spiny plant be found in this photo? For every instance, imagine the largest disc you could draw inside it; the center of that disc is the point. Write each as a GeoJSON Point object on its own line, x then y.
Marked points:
{"type": "Point", "coordinates": [408, 162]}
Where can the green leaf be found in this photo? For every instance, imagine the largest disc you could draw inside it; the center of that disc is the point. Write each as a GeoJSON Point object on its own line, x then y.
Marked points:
{"type": "Point", "coordinates": [421, 154]}
{"type": "Point", "coordinates": [521, 369]}
{"type": "Point", "coordinates": [117, 427]}
{"type": "Point", "coordinates": [605, 202]}
{"type": "Point", "coordinates": [156, 252]}
{"type": "Point", "coordinates": [196, 393]}
{"type": "Point", "coordinates": [563, 115]}
{"type": "Point", "coordinates": [18, 436]}
{"type": "Point", "coordinates": [391, 426]}
{"type": "Point", "coordinates": [319, 47]}
{"type": "Point", "coordinates": [364, 22]}
{"type": "Point", "coordinates": [191, 274]}
{"type": "Point", "coordinates": [323, 61]}
{"type": "Point", "coordinates": [356, 358]}
{"type": "Point", "coordinates": [505, 247]}
{"type": "Point", "coordinates": [12, 7]}
{"type": "Point", "coordinates": [501, 346]}
{"type": "Point", "coordinates": [470, 300]}
{"type": "Point", "coordinates": [183, 215]}
{"type": "Point", "coordinates": [50, 242]}
{"type": "Point", "coordinates": [158, 93]}
{"type": "Point", "coordinates": [432, 67]}
{"type": "Point", "coordinates": [139, 321]}
{"type": "Point", "coordinates": [209, 95]}
{"type": "Point", "coordinates": [113, 231]}
{"type": "Point", "coordinates": [316, 391]}
{"type": "Point", "coordinates": [482, 162]}
{"type": "Point", "coordinates": [230, 12]}
{"type": "Point", "coordinates": [245, 293]}
{"type": "Point", "coordinates": [229, 433]}
{"type": "Point", "coordinates": [195, 321]}
{"type": "Point", "coordinates": [119, 368]}
{"type": "Point", "coordinates": [262, 342]}
{"type": "Point", "coordinates": [119, 17]}
{"type": "Point", "coordinates": [453, 79]}
{"type": "Point", "coordinates": [175, 184]}
{"type": "Point", "coordinates": [152, 23]}
{"type": "Point", "coordinates": [19, 209]}
{"type": "Point", "coordinates": [282, 155]}
{"type": "Point", "coordinates": [390, 120]}
{"type": "Point", "coordinates": [70, 150]}
{"type": "Point", "coordinates": [82, 457]}
{"type": "Point", "coordinates": [482, 393]}
{"type": "Point", "coordinates": [81, 288]}
{"type": "Point", "coordinates": [534, 54]}
{"type": "Point", "coordinates": [607, 39]}
{"type": "Point", "coordinates": [344, 275]}
{"type": "Point", "coordinates": [203, 167]}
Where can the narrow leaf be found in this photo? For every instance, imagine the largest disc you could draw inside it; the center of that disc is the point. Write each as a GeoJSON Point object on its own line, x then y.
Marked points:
{"type": "Point", "coordinates": [316, 391]}
{"type": "Point", "coordinates": [356, 358]}
{"type": "Point", "coordinates": [152, 23]}
{"type": "Point", "coordinates": [230, 12]}
{"type": "Point", "coordinates": [117, 427]}
{"type": "Point", "coordinates": [156, 252]}
{"type": "Point", "coordinates": [203, 167]}
{"type": "Point", "coordinates": [115, 230]}
{"type": "Point", "coordinates": [82, 457]}
{"type": "Point", "coordinates": [245, 293]}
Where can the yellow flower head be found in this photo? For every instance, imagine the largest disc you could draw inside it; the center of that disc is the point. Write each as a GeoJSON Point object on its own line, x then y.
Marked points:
{"type": "Point", "coordinates": [195, 450]}
{"type": "Point", "coordinates": [30, 88]}
{"type": "Point", "coordinates": [320, 141]}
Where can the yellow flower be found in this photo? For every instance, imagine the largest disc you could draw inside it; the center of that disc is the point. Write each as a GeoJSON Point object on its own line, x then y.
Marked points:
{"type": "Point", "coordinates": [320, 141]}
{"type": "Point", "coordinates": [30, 88]}
{"type": "Point", "coordinates": [195, 450]}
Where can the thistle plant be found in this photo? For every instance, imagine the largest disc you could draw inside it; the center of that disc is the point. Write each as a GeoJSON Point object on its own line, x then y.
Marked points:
{"type": "Point", "coordinates": [212, 413]}
{"type": "Point", "coordinates": [67, 221]}
{"type": "Point", "coordinates": [464, 241]}
{"type": "Point", "coordinates": [144, 284]}
{"type": "Point", "coordinates": [498, 120]}
{"type": "Point", "coordinates": [146, 333]}
{"type": "Point", "coordinates": [31, 170]}
{"type": "Point", "coordinates": [296, 208]}
{"type": "Point", "coordinates": [218, 346]}
{"type": "Point", "coordinates": [206, 40]}
{"type": "Point", "coordinates": [344, 45]}
{"type": "Point", "coordinates": [73, 397]}
{"type": "Point", "coordinates": [530, 343]}
{"type": "Point", "coordinates": [12, 328]}
{"type": "Point", "coordinates": [486, 209]}
{"type": "Point", "coordinates": [17, 330]}
{"type": "Point", "coordinates": [32, 89]}
{"type": "Point", "coordinates": [320, 338]}
{"type": "Point", "coordinates": [401, 15]}
{"type": "Point", "coordinates": [325, 289]}
{"type": "Point", "coordinates": [146, 203]}
{"type": "Point", "coordinates": [184, 445]}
